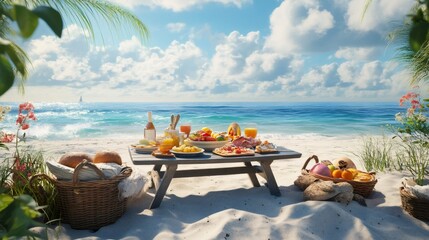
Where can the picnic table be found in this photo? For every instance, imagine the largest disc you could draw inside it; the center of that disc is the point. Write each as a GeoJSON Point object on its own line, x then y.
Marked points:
{"type": "Point", "coordinates": [162, 179]}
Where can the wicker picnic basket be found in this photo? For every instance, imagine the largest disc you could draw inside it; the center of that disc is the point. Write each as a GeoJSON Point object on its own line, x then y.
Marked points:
{"type": "Point", "coordinates": [89, 204]}
{"type": "Point", "coordinates": [416, 207]}
{"type": "Point", "coordinates": [361, 188]}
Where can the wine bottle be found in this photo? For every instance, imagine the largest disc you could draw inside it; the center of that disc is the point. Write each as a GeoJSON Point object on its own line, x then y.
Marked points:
{"type": "Point", "coordinates": [149, 130]}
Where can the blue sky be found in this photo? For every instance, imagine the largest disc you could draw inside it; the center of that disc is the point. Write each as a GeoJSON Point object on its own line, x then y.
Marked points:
{"type": "Point", "coordinates": [227, 50]}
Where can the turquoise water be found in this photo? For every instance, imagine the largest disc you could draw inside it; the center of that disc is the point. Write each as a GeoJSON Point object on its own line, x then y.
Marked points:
{"type": "Point", "coordinates": [96, 120]}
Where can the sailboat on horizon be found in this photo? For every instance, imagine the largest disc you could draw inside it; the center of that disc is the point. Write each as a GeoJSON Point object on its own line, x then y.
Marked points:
{"type": "Point", "coordinates": [80, 99]}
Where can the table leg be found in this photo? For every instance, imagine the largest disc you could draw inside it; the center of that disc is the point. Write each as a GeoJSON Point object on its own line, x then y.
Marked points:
{"type": "Point", "coordinates": [157, 167]}
{"type": "Point", "coordinates": [165, 182]}
{"type": "Point", "coordinates": [271, 181]}
{"type": "Point", "coordinates": [252, 175]}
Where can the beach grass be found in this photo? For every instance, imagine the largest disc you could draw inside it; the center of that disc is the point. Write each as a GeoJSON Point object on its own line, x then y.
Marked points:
{"type": "Point", "coordinates": [377, 154]}
{"type": "Point", "coordinates": [414, 158]}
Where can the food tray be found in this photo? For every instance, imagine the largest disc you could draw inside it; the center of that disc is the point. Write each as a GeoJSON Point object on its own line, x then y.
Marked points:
{"type": "Point", "coordinates": [159, 154]}
{"type": "Point", "coordinates": [233, 154]}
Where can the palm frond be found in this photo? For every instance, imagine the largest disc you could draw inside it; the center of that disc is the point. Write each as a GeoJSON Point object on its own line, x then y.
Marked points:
{"type": "Point", "coordinates": [367, 3]}
{"type": "Point", "coordinates": [89, 14]}
{"type": "Point", "coordinates": [22, 58]}
{"type": "Point", "coordinates": [416, 62]}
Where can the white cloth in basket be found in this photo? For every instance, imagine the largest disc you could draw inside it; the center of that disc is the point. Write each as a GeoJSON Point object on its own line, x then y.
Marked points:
{"type": "Point", "coordinates": [62, 172]}
{"type": "Point", "coordinates": [418, 191]}
{"type": "Point", "coordinates": [132, 186]}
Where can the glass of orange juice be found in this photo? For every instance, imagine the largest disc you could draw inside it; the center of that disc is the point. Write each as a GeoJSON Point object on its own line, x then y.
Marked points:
{"type": "Point", "coordinates": [166, 145]}
{"type": "Point", "coordinates": [186, 128]}
{"type": "Point", "coordinates": [251, 130]}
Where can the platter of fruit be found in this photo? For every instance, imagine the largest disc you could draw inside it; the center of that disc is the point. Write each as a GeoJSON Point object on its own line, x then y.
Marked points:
{"type": "Point", "coordinates": [144, 146]}
{"type": "Point", "coordinates": [342, 170]}
{"type": "Point", "coordinates": [207, 139]}
{"type": "Point", "coordinates": [230, 150]}
{"type": "Point", "coordinates": [187, 151]}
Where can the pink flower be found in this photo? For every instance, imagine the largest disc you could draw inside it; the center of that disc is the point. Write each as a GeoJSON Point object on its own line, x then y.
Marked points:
{"type": "Point", "coordinates": [20, 166]}
{"type": "Point", "coordinates": [25, 126]}
{"type": "Point", "coordinates": [20, 119]}
{"type": "Point", "coordinates": [27, 106]}
{"type": "Point", "coordinates": [415, 104]}
{"type": "Point", "coordinates": [32, 116]}
{"type": "Point", "coordinates": [7, 137]}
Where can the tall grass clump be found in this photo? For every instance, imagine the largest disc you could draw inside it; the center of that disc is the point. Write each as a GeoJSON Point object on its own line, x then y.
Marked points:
{"type": "Point", "coordinates": [377, 154]}
{"type": "Point", "coordinates": [415, 159]}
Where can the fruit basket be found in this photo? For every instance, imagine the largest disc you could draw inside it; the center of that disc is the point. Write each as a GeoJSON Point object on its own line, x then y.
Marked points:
{"type": "Point", "coordinates": [416, 207]}
{"type": "Point", "coordinates": [363, 188]}
{"type": "Point", "coordinates": [89, 204]}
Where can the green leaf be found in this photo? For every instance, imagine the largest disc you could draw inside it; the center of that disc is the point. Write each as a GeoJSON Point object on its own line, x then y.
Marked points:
{"type": "Point", "coordinates": [418, 35]}
{"type": "Point", "coordinates": [17, 218]}
{"type": "Point", "coordinates": [5, 201]}
{"type": "Point", "coordinates": [52, 17]}
{"type": "Point", "coordinates": [8, 48]}
{"type": "Point", "coordinates": [6, 75]}
{"type": "Point", "coordinates": [26, 19]}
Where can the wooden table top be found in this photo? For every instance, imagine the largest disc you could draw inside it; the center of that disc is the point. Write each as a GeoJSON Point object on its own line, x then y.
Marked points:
{"type": "Point", "coordinates": [208, 157]}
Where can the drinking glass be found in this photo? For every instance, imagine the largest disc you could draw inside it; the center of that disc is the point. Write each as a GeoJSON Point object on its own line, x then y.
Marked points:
{"type": "Point", "coordinates": [166, 145]}
{"type": "Point", "coordinates": [251, 130]}
{"type": "Point", "coordinates": [173, 134]}
{"type": "Point", "coordinates": [186, 128]}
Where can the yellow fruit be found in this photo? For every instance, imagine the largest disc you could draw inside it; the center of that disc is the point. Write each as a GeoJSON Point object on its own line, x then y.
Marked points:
{"type": "Point", "coordinates": [234, 129]}
{"type": "Point", "coordinates": [207, 130]}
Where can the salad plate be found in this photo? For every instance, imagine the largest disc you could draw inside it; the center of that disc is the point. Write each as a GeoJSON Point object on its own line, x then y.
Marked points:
{"type": "Point", "coordinates": [144, 148]}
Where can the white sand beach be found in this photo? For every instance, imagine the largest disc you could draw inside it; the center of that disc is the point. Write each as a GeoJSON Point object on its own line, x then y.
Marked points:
{"type": "Point", "coordinates": [228, 207]}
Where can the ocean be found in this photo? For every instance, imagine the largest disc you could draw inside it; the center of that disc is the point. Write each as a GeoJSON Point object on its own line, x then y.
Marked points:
{"type": "Point", "coordinates": [64, 121]}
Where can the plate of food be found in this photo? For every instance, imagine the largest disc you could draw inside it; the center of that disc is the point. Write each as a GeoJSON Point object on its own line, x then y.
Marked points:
{"type": "Point", "coordinates": [144, 147]}
{"type": "Point", "coordinates": [187, 151]}
{"type": "Point", "coordinates": [230, 150]}
{"type": "Point", "coordinates": [206, 145]}
{"type": "Point", "coordinates": [266, 147]}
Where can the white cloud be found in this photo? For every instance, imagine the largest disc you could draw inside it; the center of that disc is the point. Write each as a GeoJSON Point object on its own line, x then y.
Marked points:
{"type": "Point", "coordinates": [297, 23]}
{"type": "Point", "coordinates": [130, 46]}
{"type": "Point", "coordinates": [379, 15]}
{"type": "Point", "coordinates": [314, 25]}
{"type": "Point", "coordinates": [178, 6]}
{"type": "Point", "coordinates": [358, 53]}
{"type": "Point", "coordinates": [176, 27]}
